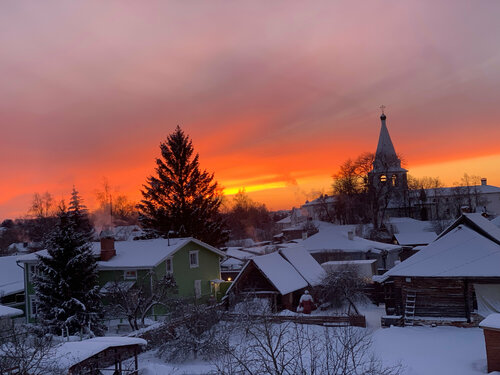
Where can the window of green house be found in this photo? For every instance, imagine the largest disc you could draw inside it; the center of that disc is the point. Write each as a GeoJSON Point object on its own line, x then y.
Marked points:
{"type": "Point", "coordinates": [33, 307]}
{"type": "Point", "coordinates": [32, 271]}
{"type": "Point", "coordinates": [193, 259]}
{"type": "Point", "coordinates": [169, 266]}
{"type": "Point", "coordinates": [130, 275]}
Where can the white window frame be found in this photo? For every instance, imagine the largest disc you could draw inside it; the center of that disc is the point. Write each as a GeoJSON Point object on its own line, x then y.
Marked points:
{"type": "Point", "coordinates": [31, 272]}
{"type": "Point", "coordinates": [33, 306]}
{"type": "Point", "coordinates": [169, 270]}
{"type": "Point", "coordinates": [129, 277]}
{"type": "Point", "coordinates": [197, 264]}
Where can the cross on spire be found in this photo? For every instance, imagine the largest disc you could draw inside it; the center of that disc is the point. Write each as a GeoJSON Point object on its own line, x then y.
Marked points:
{"type": "Point", "coordinates": [382, 107]}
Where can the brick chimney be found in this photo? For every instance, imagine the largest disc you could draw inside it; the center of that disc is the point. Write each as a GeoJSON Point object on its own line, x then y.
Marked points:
{"type": "Point", "coordinates": [107, 245]}
{"type": "Point", "coordinates": [484, 182]}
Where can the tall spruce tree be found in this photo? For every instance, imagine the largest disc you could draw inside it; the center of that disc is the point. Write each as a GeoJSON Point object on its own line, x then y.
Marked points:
{"type": "Point", "coordinates": [79, 213]}
{"type": "Point", "coordinates": [181, 198]}
{"type": "Point", "coordinates": [66, 282]}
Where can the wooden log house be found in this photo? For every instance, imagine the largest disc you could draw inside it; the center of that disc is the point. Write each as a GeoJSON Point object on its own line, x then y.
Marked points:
{"type": "Point", "coordinates": [280, 277]}
{"type": "Point", "coordinates": [445, 282]}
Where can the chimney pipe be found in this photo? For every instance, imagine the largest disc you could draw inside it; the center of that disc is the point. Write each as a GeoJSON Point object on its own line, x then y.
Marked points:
{"type": "Point", "coordinates": [107, 245]}
{"type": "Point", "coordinates": [350, 235]}
{"type": "Point", "coordinates": [484, 181]}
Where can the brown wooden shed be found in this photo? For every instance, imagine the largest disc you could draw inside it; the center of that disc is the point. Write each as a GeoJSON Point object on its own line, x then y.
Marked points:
{"type": "Point", "coordinates": [491, 329]}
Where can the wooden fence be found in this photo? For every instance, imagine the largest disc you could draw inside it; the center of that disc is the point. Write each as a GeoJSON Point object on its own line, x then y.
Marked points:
{"type": "Point", "coordinates": [327, 321]}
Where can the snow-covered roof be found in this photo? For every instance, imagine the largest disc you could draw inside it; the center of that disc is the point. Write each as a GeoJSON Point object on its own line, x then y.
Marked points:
{"type": "Point", "coordinates": [462, 252]}
{"type": "Point", "coordinates": [324, 199]}
{"type": "Point", "coordinates": [363, 267]}
{"type": "Point", "coordinates": [294, 228]}
{"type": "Point", "coordinates": [492, 321]}
{"type": "Point", "coordinates": [11, 276]}
{"type": "Point", "coordinates": [305, 264]}
{"type": "Point", "coordinates": [408, 225]}
{"type": "Point", "coordinates": [344, 262]}
{"type": "Point", "coordinates": [280, 273]}
{"type": "Point", "coordinates": [447, 191]}
{"type": "Point", "coordinates": [69, 354]}
{"type": "Point", "coordinates": [127, 232]}
{"type": "Point", "coordinates": [335, 238]}
{"type": "Point", "coordinates": [415, 238]}
{"type": "Point", "coordinates": [286, 220]}
{"type": "Point", "coordinates": [477, 222]}
{"type": "Point", "coordinates": [135, 254]}
{"type": "Point", "coordinates": [235, 258]}
{"type": "Point", "coordinates": [21, 247]}
{"type": "Point", "coordinates": [496, 221]}
{"type": "Point", "coordinates": [257, 250]}
{"type": "Point", "coordinates": [7, 312]}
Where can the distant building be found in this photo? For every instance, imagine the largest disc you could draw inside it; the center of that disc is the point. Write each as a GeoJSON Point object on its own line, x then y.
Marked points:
{"type": "Point", "coordinates": [11, 283]}
{"type": "Point", "coordinates": [388, 180]}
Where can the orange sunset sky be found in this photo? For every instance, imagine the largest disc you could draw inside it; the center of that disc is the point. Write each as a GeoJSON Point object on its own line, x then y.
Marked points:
{"type": "Point", "coordinates": [275, 95]}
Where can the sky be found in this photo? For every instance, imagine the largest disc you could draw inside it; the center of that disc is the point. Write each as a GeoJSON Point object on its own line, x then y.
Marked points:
{"type": "Point", "coordinates": [275, 95]}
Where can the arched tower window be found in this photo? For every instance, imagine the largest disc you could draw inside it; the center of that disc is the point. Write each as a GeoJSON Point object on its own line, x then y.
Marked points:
{"type": "Point", "coordinates": [383, 178]}
{"type": "Point", "coordinates": [394, 180]}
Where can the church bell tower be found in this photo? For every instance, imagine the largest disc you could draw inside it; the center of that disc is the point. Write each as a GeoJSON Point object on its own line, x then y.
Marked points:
{"type": "Point", "coordinates": [387, 172]}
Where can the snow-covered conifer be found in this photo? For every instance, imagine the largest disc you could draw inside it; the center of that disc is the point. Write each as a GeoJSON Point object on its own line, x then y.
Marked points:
{"type": "Point", "coordinates": [79, 214]}
{"type": "Point", "coordinates": [66, 282]}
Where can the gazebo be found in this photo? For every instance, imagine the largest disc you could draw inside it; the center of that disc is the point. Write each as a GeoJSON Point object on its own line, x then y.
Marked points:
{"type": "Point", "coordinates": [91, 356]}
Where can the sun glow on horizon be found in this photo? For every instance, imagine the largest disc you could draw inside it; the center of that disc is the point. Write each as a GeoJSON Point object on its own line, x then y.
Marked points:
{"type": "Point", "coordinates": [254, 188]}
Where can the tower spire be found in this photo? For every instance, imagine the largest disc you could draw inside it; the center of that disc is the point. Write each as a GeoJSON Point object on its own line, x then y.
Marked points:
{"type": "Point", "coordinates": [385, 157]}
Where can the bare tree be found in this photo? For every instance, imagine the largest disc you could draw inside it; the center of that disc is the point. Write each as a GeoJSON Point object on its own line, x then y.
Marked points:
{"type": "Point", "coordinates": [343, 287]}
{"type": "Point", "coordinates": [42, 206]}
{"type": "Point", "coordinates": [264, 347]}
{"type": "Point", "coordinates": [136, 301]}
{"type": "Point", "coordinates": [24, 351]}
{"type": "Point", "coordinates": [114, 207]}
{"type": "Point", "coordinates": [194, 336]}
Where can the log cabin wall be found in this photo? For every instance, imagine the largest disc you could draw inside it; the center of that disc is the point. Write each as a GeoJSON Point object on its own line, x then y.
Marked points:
{"type": "Point", "coordinates": [252, 280]}
{"type": "Point", "coordinates": [438, 297]}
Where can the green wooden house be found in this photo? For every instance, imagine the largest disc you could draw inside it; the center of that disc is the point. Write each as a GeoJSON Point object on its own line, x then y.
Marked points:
{"type": "Point", "coordinates": [194, 265]}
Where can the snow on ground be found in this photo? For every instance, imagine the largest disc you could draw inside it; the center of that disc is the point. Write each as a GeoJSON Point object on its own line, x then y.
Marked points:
{"type": "Point", "coordinates": [433, 351]}
{"type": "Point", "coordinates": [421, 350]}
{"type": "Point", "coordinates": [150, 364]}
